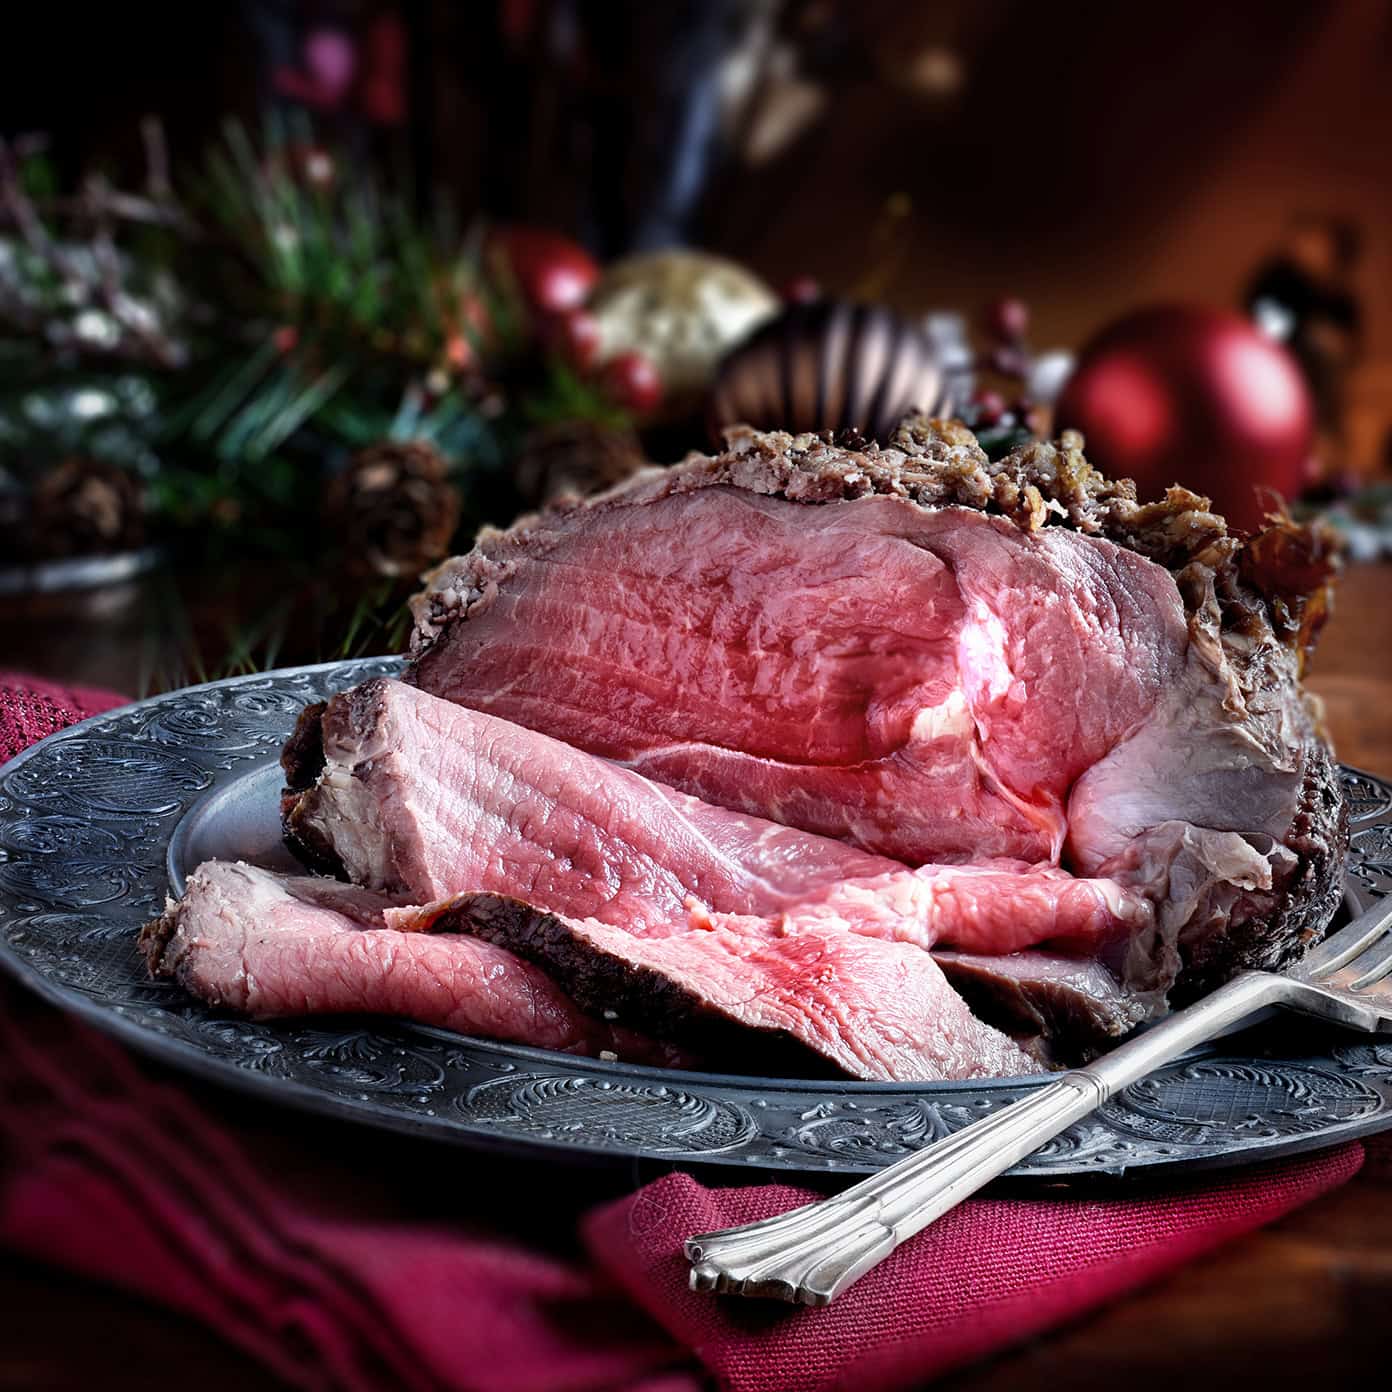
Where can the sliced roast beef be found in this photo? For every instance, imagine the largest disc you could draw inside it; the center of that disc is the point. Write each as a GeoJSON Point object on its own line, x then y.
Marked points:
{"type": "Point", "coordinates": [420, 795]}
{"type": "Point", "coordinates": [998, 906]}
{"type": "Point", "coordinates": [939, 659]}
{"type": "Point", "coordinates": [428, 798]}
{"type": "Point", "coordinates": [272, 945]}
{"type": "Point", "coordinates": [1059, 1009]}
{"type": "Point", "coordinates": [874, 1010]}
{"type": "Point", "coordinates": [741, 994]}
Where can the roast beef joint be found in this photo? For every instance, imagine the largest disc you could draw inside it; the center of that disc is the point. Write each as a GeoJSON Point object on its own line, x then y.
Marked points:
{"type": "Point", "coordinates": [758, 757]}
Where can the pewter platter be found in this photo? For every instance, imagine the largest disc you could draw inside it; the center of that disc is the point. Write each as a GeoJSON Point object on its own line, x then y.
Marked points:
{"type": "Point", "coordinates": [96, 820]}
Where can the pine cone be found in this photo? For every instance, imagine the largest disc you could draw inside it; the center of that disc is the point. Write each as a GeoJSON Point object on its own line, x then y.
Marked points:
{"type": "Point", "coordinates": [85, 507]}
{"type": "Point", "coordinates": [393, 509]}
{"type": "Point", "coordinates": [572, 458]}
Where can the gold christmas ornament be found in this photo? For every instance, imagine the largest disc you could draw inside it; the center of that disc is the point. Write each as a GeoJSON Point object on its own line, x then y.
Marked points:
{"type": "Point", "coordinates": [683, 310]}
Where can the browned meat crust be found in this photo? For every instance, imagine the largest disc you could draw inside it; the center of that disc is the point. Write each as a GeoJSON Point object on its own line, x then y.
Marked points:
{"type": "Point", "coordinates": [303, 762]}
{"type": "Point", "coordinates": [302, 759]}
{"type": "Point", "coordinates": [1059, 1010]}
{"type": "Point", "coordinates": [938, 463]}
{"type": "Point", "coordinates": [154, 938]}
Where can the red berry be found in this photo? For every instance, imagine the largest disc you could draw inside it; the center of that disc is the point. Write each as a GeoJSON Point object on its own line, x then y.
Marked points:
{"type": "Point", "coordinates": [473, 323]}
{"type": "Point", "coordinates": [801, 290]}
{"type": "Point", "coordinates": [990, 407]}
{"type": "Point", "coordinates": [553, 272]}
{"type": "Point", "coordinates": [576, 338]}
{"type": "Point", "coordinates": [1007, 321]}
{"type": "Point", "coordinates": [459, 352]}
{"type": "Point", "coordinates": [632, 380]}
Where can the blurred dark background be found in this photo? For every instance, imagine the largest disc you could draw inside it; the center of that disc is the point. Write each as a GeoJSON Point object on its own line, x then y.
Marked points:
{"type": "Point", "coordinates": [1083, 155]}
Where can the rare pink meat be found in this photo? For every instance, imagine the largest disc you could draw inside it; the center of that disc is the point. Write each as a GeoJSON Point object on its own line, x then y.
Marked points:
{"type": "Point", "coordinates": [272, 945]}
{"type": "Point", "coordinates": [422, 796]}
{"type": "Point", "coordinates": [999, 906]}
{"type": "Point", "coordinates": [875, 1010]}
{"type": "Point", "coordinates": [871, 670]}
{"type": "Point", "coordinates": [430, 799]}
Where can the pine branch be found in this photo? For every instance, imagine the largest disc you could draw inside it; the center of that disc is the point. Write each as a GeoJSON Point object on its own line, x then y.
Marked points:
{"type": "Point", "coordinates": [298, 410]}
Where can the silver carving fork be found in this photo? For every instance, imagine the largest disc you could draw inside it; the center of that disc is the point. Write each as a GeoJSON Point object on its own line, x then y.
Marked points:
{"type": "Point", "coordinates": [811, 1254]}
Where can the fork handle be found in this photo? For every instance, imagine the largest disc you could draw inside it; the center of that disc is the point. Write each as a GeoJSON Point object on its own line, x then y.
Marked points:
{"type": "Point", "coordinates": [811, 1254]}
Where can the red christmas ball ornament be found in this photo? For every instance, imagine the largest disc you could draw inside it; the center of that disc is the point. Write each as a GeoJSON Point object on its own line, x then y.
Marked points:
{"type": "Point", "coordinates": [1194, 396]}
{"type": "Point", "coordinates": [633, 381]}
{"type": "Point", "coordinates": [553, 272]}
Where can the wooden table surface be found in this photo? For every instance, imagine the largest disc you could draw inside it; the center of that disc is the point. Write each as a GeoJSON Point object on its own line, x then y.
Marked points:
{"type": "Point", "coordinates": [1302, 1303]}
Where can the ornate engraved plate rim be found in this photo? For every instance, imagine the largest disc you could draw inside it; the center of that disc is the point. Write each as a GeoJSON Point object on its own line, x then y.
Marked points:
{"type": "Point", "coordinates": [74, 888]}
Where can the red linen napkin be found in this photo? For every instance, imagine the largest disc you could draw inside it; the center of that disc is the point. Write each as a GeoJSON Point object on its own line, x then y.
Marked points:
{"type": "Point", "coordinates": [990, 1273]}
{"type": "Point", "coordinates": [31, 708]}
{"type": "Point", "coordinates": [322, 1251]}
